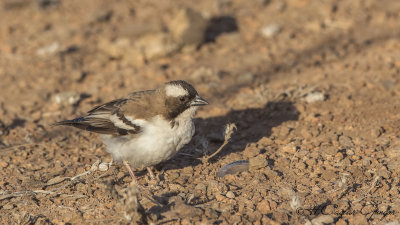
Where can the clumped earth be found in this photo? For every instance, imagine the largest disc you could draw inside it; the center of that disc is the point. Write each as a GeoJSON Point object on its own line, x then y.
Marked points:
{"type": "Point", "coordinates": [312, 86]}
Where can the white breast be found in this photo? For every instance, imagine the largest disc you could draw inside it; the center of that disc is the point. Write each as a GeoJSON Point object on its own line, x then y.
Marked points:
{"type": "Point", "coordinates": [157, 142]}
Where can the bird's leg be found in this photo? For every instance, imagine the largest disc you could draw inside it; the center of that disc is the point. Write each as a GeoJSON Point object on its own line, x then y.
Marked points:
{"type": "Point", "coordinates": [153, 177]}
{"type": "Point", "coordinates": [134, 180]}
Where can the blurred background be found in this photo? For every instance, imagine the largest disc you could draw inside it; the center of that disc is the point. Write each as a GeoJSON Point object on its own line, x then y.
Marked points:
{"type": "Point", "coordinates": [312, 85]}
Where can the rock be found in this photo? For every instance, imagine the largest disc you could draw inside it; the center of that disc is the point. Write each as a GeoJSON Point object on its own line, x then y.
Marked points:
{"type": "Point", "coordinates": [393, 151]}
{"type": "Point", "coordinates": [246, 78]}
{"type": "Point", "coordinates": [115, 49]}
{"type": "Point", "coordinates": [104, 166]}
{"type": "Point", "coordinates": [270, 30]}
{"type": "Point", "coordinates": [358, 219]}
{"type": "Point", "coordinates": [8, 206]}
{"type": "Point", "coordinates": [230, 194]}
{"type": "Point", "coordinates": [156, 45]}
{"type": "Point", "coordinates": [201, 187]}
{"type": "Point", "coordinates": [3, 164]}
{"type": "Point", "coordinates": [264, 207]}
{"type": "Point", "coordinates": [49, 49]}
{"type": "Point", "coordinates": [188, 27]}
{"type": "Point", "coordinates": [265, 141]}
{"type": "Point", "coordinates": [328, 150]}
{"type": "Point", "coordinates": [393, 223]}
{"type": "Point", "coordinates": [257, 163]}
{"type": "Point", "coordinates": [251, 151]}
{"type": "Point", "coordinates": [328, 175]}
{"type": "Point", "coordinates": [67, 98]}
{"type": "Point", "coordinates": [289, 148]}
{"type": "Point", "coordinates": [216, 187]}
{"type": "Point", "coordinates": [314, 97]}
{"type": "Point", "coordinates": [345, 141]}
{"type": "Point", "coordinates": [122, 48]}
{"type": "Point", "coordinates": [321, 220]}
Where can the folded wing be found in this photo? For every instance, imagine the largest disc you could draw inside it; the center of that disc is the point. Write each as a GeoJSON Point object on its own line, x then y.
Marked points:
{"type": "Point", "coordinates": [107, 118]}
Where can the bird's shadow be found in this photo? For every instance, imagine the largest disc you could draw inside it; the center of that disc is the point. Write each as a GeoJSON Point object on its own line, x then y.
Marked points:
{"type": "Point", "coordinates": [252, 125]}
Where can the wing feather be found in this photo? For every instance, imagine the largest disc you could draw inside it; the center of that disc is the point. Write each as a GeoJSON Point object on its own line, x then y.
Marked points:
{"type": "Point", "coordinates": [109, 117]}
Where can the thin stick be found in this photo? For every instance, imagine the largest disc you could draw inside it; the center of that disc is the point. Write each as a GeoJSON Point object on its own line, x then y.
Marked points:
{"type": "Point", "coordinates": [229, 129]}
{"type": "Point", "coordinates": [365, 194]}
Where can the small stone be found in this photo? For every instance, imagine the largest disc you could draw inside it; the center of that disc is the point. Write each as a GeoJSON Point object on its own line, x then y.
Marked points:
{"type": "Point", "coordinates": [265, 141]}
{"type": "Point", "coordinates": [384, 173]}
{"type": "Point", "coordinates": [246, 78]}
{"type": "Point", "coordinates": [393, 151]}
{"type": "Point", "coordinates": [173, 175]}
{"type": "Point", "coordinates": [328, 175]}
{"type": "Point", "coordinates": [328, 150]}
{"type": "Point", "coordinates": [289, 148]}
{"type": "Point", "coordinates": [284, 132]}
{"type": "Point", "coordinates": [323, 219]}
{"type": "Point", "coordinates": [230, 194]}
{"type": "Point", "coordinates": [48, 50]}
{"type": "Point", "coordinates": [69, 98]}
{"type": "Point", "coordinates": [188, 27]}
{"type": "Point", "coordinates": [257, 163]}
{"type": "Point", "coordinates": [358, 219]}
{"type": "Point", "coordinates": [264, 207]}
{"type": "Point", "coordinates": [251, 151]}
{"type": "Point", "coordinates": [103, 166]}
{"type": "Point", "coordinates": [345, 141]}
{"type": "Point", "coordinates": [201, 187]}
{"type": "Point", "coordinates": [270, 30]}
{"type": "Point", "coordinates": [220, 197]}
{"type": "Point", "coordinates": [394, 165]}
{"type": "Point", "coordinates": [3, 164]}
{"type": "Point", "coordinates": [8, 206]}
{"type": "Point", "coordinates": [156, 45]}
{"type": "Point", "coordinates": [314, 97]}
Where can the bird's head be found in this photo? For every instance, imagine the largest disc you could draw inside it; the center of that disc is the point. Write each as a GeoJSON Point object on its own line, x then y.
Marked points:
{"type": "Point", "coordinates": [181, 96]}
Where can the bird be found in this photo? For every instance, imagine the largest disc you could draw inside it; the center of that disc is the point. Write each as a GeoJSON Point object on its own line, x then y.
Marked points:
{"type": "Point", "coordinates": [144, 128]}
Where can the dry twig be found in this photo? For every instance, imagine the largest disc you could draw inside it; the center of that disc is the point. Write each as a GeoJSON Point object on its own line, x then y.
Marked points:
{"type": "Point", "coordinates": [229, 129]}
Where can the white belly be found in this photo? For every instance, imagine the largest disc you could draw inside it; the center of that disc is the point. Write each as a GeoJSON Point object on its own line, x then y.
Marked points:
{"type": "Point", "coordinates": [157, 142]}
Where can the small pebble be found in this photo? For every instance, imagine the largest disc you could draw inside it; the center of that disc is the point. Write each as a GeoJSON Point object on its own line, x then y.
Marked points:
{"type": "Point", "coordinates": [320, 220]}
{"type": "Point", "coordinates": [8, 206]}
{"type": "Point", "coordinates": [3, 164]}
{"type": "Point", "coordinates": [258, 162]}
{"type": "Point", "coordinates": [230, 194]}
{"type": "Point", "coordinates": [270, 30]}
{"type": "Point", "coordinates": [315, 97]}
{"type": "Point", "coordinates": [104, 167]}
{"type": "Point", "coordinates": [71, 98]}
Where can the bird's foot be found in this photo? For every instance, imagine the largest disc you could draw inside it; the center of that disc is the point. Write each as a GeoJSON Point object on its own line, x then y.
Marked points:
{"type": "Point", "coordinates": [152, 176]}
{"type": "Point", "coordinates": [134, 180]}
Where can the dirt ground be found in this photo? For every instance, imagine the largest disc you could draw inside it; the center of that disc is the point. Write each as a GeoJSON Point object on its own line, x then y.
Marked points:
{"type": "Point", "coordinates": [312, 86]}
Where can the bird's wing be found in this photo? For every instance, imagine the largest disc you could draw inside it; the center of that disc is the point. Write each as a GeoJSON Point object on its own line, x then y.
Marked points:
{"type": "Point", "coordinates": [111, 117]}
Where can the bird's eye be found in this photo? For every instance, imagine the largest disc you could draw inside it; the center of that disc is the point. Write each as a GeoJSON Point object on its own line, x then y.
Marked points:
{"type": "Point", "coordinates": [182, 99]}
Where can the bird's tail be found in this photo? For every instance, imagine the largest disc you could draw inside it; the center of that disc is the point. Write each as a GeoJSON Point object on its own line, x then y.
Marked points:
{"type": "Point", "coordinates": [80, 122]}
{"type": "Point", "coordinates": [93, 124]}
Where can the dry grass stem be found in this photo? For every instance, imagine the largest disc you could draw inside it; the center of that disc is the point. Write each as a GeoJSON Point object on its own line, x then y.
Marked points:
{"type": "Point", "coordinates": [229, 130]}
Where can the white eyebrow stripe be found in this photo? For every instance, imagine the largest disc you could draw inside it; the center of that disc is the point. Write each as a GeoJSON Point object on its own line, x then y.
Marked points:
{"type": "Point", "coordinates": [175, 91]}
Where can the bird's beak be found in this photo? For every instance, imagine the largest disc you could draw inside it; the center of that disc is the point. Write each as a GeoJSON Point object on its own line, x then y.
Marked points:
{"type": "Point", "coordinates": [198, 101]}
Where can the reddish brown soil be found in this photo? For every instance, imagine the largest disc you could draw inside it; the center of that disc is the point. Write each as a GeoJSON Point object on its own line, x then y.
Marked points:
{"type": "Point", "coordinates": [315, 101]}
